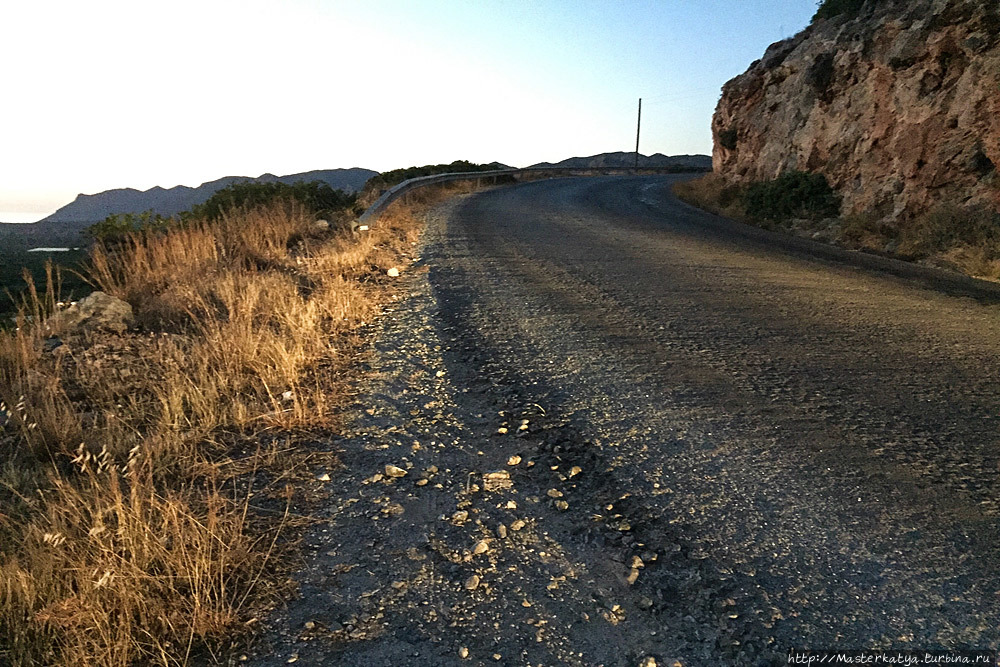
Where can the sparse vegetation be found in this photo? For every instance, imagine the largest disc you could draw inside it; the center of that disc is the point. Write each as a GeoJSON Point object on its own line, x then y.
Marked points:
{"type": "Point", "coordinates": [139, 469]}
{"type": "Point", "coordinates": [711, 192]}
{"type": "Point", "coordinates": [967, 236]}
{"type": "Point", "coordinates": [866, 231]}
{"type": "Point", "coordinates": [17, 263]}
{"type": "Point", "coordinates": [377, 184]}
{"type": "Point", "coordinates": [964, 239]}
{"type": "Point", "coordinates": [315, 196]}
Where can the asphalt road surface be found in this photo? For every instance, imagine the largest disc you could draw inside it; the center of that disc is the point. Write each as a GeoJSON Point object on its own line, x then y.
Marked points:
{"type": "Point", "coordinates": [724, 447]}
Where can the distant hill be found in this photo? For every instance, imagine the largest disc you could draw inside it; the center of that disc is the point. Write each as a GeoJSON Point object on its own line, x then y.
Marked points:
{"type": "Point", "coordinates": [22, 236]}
{"type": "Point", "coordinates": [622, 159]}
{"type": "Point", "coordinates": [87, 209]}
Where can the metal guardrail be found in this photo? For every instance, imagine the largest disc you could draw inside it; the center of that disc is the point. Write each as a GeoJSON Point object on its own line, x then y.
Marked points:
{"type": "Point", "coordinates": [371, 214]}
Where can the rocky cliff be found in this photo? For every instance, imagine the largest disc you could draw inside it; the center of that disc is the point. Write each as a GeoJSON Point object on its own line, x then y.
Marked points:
{"type": "Point", "coordinates": [897, 103]}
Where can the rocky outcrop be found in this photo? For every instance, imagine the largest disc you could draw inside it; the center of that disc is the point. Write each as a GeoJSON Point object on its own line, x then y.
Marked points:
{"type": "Point", "coordinates": [898, 105]}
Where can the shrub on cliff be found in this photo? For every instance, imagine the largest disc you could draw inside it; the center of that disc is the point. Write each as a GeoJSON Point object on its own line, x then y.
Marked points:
{"type": "Point", "coordinates": [831, 8]}
{"type": "Point", "coordinates": [794, 194]}
{"type": "Point", "coordinates": [729, 138]}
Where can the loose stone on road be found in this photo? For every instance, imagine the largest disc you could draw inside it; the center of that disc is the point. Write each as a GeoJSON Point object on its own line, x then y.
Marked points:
{"type": "Point", "coordinates": [605, 428]}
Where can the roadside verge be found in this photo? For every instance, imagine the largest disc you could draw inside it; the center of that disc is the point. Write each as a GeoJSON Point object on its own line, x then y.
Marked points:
{"type": "Point", "coordinates": [807, 242]}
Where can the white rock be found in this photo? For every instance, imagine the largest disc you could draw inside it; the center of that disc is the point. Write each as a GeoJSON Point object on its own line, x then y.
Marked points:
{"type": "Point", "coordinates": [393, 272]}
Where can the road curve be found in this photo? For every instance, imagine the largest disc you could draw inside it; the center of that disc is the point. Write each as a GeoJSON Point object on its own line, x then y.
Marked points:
{"type": "Point", "coordinates": [800, 452]}
{"type": "Point", "coordinates": [827, 435]}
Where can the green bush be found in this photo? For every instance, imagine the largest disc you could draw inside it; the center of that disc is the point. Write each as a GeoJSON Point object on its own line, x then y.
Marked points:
{"type": "Point", "coordinates": [117, 226]}
{"type": "Point", "coordinates": [387, 179]}
{"type": "Point", "coordinates": [794, 194]}
{"type": "Point", "coordinates": [316, 196]}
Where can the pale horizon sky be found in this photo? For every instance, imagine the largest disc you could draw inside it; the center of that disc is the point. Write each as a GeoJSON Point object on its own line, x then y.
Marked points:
{"type": "Point", "coordinates": [118, 93]}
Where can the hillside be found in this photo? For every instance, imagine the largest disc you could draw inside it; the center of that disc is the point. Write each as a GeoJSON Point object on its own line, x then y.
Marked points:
{"type": "Point", "coordinates": [894, 102]}
{"type": "Point", "coordinates": [623, 159]}
{"type": "Point", "coordinates": [169, 201]}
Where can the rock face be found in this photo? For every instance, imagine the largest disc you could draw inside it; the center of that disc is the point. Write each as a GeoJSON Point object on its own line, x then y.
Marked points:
{"type": "Point", "coordinates": [898, 105]}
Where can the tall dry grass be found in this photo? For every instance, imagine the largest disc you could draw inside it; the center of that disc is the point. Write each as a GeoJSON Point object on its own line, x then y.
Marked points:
{"type": "Point", "coordinates": [127, 530]}
{"type": "Point", "coordinates": [712, 193]}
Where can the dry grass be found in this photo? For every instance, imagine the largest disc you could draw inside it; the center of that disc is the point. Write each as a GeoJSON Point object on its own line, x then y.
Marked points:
{"type": "Point", "coordinates": [963, 239]}
{"type": "Point", "coordinates": [127, 533]}
{"type": "Point", "coordinates": [712, 193]}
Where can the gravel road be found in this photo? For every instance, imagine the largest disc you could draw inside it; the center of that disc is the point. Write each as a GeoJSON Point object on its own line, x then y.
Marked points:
{"type": "Point", "coordinates": [647, 432]}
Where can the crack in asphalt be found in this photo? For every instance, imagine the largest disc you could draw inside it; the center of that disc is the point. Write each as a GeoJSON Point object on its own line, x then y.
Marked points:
{"type": "Point", "coordinates": [720, 449]}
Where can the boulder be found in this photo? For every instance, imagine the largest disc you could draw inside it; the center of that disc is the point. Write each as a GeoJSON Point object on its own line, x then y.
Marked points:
{"type": "Point", "coordinates": [98, 311]}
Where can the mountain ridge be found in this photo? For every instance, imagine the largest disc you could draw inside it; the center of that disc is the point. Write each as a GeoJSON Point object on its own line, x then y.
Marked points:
{"type": "Point", "coordinates": [627, 159]}
{"type": "Point", "coordinates": [87, 209]}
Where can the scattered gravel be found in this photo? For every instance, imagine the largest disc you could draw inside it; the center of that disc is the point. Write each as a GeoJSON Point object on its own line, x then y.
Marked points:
{"type": "Point", "coordinates": [632, 436]}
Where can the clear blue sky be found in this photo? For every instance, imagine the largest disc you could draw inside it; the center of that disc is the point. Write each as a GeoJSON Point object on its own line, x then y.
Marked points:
{"type": "Point", "coordinates": [128, 93]}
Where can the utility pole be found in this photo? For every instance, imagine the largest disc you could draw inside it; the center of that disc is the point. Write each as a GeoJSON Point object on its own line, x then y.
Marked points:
{"type": "Point", "coordinates": [638, 124]}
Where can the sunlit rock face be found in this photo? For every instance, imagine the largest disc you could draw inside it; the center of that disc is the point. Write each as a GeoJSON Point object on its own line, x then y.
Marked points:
{"type": "Point", "coordinates": [899, 105]}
